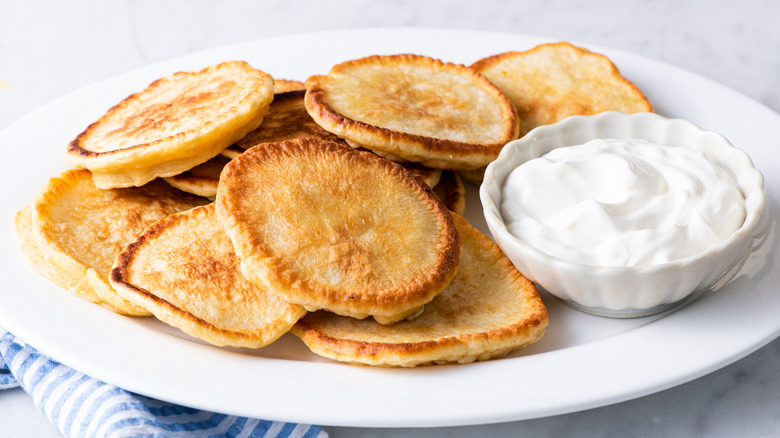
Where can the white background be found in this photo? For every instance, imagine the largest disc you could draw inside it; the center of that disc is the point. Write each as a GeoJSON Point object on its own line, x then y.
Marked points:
{"type": "Point", "coordinates": [50, 48]}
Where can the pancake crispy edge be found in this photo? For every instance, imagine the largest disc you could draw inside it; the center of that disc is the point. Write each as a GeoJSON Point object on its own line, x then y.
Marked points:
{"type": "Point", "coordinates": [174, 124]}
{"type": "Point", "coordinates": [327, 226]}
{"type": "Point", "coordinates": [77, 230]}
{"type": "Point", "coordinates": [552, 81]}
{"type": "Point", "coordinates": [285, 85]}
{"type": "Point", "coordinates": [202, 179]}
{"type": "Point", "coordinates": [428, 175]}
{"type": "Point", "coordinates": [414, 108]}
{"type": "Point", "coordinates": [451, 191]}
{"type": "Point", "coordinates": [38, 257]}
{"type": "Point", "coordinates": [183, 269]}
{"type": "Point", "coordinates": [488, 310]}
{"type": "Point", "coordinates": [286, 119]}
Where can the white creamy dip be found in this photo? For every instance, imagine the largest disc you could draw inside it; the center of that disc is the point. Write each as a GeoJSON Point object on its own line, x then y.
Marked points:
{"type": "Point", "coordinates": [622, 203]}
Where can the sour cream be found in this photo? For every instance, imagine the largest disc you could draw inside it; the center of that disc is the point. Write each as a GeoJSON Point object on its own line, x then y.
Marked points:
{"type": "Point", "coordinates": [612, 202]}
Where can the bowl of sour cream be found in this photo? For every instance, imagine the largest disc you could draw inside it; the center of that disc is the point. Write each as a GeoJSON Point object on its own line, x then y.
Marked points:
{"type": "Point", "coordinates": [624, 215]}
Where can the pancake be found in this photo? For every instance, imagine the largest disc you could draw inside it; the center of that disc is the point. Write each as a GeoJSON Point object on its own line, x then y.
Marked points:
{"type": "Point", "coordinates": [330, 227]}
{"type": "Point", "coordinates": [173, 125]}
{"type": "Point", "coordinates": [554, 81]}
{"type": "Point", "coordinates": [232, 151]}
{"type": "Point", "coordinates": [35, 252]}
{"type": "Point", "coordinates": [428, 175]}
{"type": "Point", "coordinates": [451, 192]}
{"type": "Point", "coordinates": [183, 270]}
{"type": "Point", "coordinates": [414, 108]}
{"type": "Point", "coordinates": [74, 231]}
{"type": "Point", "coordinates": [286, 119]}
{"type": "Point", "coordinates": [285, 85]}
{"type": "Point", "coordinates": [202, 179]}
{"type": "Point", "coordinates": [488, 310]}
{"type": "Point", "coordinates": [473, 176]}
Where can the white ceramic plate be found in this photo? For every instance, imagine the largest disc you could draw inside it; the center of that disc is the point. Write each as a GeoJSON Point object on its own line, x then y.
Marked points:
{"type": "Point", "coordinates": [582, 362]}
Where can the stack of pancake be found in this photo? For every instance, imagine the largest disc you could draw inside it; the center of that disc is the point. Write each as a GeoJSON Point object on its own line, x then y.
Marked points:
{"type": "Point", "coordinates": [237, 207]}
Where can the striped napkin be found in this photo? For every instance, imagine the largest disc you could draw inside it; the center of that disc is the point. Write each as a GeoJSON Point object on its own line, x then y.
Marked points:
{"type": "Point", "coordinates": [80, 406]}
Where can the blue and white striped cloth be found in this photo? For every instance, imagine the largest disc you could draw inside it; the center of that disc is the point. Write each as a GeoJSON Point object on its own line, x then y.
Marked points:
{"type": "Point", "coordinates": [80, 406]}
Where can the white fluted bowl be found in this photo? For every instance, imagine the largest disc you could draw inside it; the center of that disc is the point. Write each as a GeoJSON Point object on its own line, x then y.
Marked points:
{"type": "Point", "coordinates": [626, 291]}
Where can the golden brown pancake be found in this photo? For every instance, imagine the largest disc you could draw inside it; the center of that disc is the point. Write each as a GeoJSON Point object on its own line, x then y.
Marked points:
{"type": "Point", "coordinates": [414, 108]}
{"type": "Point", "coordinates": [183, 270]}
{"type": "Point", "coordinates": [330, 227]}
{"type": "Point", "coordinates": [37, 254]}
{"type": "Point", "coordinates": [286, 119]}
{"type": "Point", "coordinates": [285, 85]}
{"type": "Point", "coordinates": [486, 311]}
{"type": "Point", "coordinates": [473, 176]}
{"type": "Point", "coordinates": [232, 151]}
{"type": "Point", "coordinates": [554, 81]}
{"type": "Point", "coordinates": [428, 175]}
{"type": "Point", "coordinates": [74, 231]}
{"type": "Point", "coordinates": [173, 125]}
{"type": "Point", "coordinates": [202, 179]}
{"type": "Point", "coordinates": [451, 192]}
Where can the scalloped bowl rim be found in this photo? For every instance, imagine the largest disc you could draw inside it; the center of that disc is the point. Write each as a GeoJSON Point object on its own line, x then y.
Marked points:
{"type": "Point", "coordinates": [755, 198]}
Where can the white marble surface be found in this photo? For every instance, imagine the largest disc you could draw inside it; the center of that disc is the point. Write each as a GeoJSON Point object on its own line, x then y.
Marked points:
{"type": "Point", "coordinates": [50, 48]}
